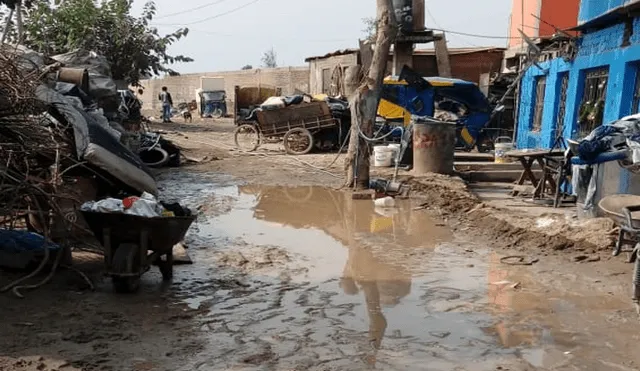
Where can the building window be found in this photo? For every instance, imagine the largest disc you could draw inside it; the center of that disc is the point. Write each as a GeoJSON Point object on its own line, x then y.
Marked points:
{"type": "Point", "coordinates": [593, 100]}
{"type": "Point", "coordinates": [636, 93]}
{"type": "Point", "coordinates": [326, 80]}
{"type": "Point", "coordinates": [562, 104]}
{"type": "Point", "coordinates": [541, 85]}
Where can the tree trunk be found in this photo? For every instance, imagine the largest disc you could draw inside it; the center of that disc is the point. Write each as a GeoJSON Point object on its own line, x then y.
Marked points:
{"type": "Point", "coordinates": [7, 26]}
{"type": "Point", "coordinates": [364, 103]}
{"type": "Point", "coordinates": [19, 23]}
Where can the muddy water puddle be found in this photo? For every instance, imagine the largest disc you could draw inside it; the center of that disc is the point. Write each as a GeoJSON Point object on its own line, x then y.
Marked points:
{"type": "Point", "coordinates": [307, 278]}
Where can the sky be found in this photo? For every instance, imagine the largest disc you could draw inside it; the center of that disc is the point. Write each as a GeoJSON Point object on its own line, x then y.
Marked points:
{"type": "Point", "coordinates": [229, 34]}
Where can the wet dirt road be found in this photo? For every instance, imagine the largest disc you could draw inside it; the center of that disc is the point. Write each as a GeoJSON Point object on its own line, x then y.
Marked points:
{"type": "Point", "coordinates": [317, 281]}
{"type": "Point", "coordinates": [304, 278]}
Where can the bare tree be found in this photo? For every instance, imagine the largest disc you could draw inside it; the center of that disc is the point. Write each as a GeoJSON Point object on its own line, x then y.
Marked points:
{"type": "Point", "coordinates": [269, 59]}
{"type": "Point", "coordinates": [370, 28]}
{"type": "Point", "coordinates": [364, 103]}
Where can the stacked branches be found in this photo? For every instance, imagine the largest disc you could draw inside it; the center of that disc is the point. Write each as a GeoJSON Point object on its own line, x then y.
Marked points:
{"type": "Point", "coordinates": [34, 150]}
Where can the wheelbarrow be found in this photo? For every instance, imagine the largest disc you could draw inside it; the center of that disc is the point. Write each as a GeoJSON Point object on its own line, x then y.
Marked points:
{"type": "Point", "coordinates": [624, 210]}
{"type": "Point", "coordinates": [133, 243]}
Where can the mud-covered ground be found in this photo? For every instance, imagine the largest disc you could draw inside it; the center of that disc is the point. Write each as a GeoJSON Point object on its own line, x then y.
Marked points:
{"type": "Point", "coordinates": [291, 274]}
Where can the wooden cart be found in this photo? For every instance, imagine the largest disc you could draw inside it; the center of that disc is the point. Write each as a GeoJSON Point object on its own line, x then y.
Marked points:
{"type": "Point", "coordinates": [296, 124]}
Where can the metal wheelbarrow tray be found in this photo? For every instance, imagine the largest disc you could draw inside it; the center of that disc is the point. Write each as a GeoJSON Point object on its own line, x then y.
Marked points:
{"type": "Point", "coordinates": [127, 241]}
{"type": "Point", "coordinates": [624, 210]}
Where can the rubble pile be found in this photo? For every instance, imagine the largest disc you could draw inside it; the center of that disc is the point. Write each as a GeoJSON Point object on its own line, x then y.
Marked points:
{"type": "Point", "coordinates": [63, 143]}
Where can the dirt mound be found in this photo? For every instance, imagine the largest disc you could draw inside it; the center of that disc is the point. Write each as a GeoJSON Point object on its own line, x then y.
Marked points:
{"type": "Point", "coordinates": [511, 229]}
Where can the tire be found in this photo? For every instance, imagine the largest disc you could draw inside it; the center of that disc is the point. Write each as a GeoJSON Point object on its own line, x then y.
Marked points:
{"type": "Point", "coordinates": [126, 260]}
{"type": "Point", "coordinates": [485, 145]}
{"type": "Point", "coordinates": [154, 157]}
{"type": "Point", "coordinates": [166, 266]}
{"type": "Point", "coordinates": [217, 113]}
{"type": "Point", "coordinates": [252, 132]}
{"type": "Point", "coordinates": [298, 141]}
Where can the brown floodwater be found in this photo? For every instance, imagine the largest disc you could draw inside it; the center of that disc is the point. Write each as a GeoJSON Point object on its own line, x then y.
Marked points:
{"type": "Point", "coordinates": [310, 279]}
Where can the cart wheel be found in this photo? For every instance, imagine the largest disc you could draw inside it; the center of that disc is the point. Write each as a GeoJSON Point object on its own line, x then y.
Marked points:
{"type": "Point", "coordinates": [166, 266]}
{"type": "Point", "coordinates": [126, 260]}
{"type": "Point", "coordinates": [298, 141]}
{"type": "Point", "coordinates": [247, 137]}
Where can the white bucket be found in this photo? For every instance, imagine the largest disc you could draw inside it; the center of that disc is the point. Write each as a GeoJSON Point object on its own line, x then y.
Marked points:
{"type": "Point", "coordinates": [395, 147]}
{"type": "Point", "coordinates": [382, 156]}
{"type": "Point", "coordinates": [502, 146]}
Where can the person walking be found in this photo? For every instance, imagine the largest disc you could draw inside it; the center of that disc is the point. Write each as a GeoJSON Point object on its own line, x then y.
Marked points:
{"type": "Point", "coordinates": [167, 103]}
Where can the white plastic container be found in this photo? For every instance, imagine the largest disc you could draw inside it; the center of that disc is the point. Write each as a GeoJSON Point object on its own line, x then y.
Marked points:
{"type": "Point", "coordinates": [502, 146]}
{"type": "Point", "coordinates": [386, 202]}
{"type": "Point", "coordinates": [395, 147]}
{"type": "Point", "coordinates": [382, 156]}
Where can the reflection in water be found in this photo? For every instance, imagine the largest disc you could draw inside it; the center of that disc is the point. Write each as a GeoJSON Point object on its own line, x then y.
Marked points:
{"type": "Point", "coordinates": [379, 242]}
{"type": "Point", "coordinates": [446, 305]}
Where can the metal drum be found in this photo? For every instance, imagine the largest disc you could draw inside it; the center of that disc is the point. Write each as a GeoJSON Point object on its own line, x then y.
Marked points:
{"type": "Point", "coordinates": [433, 146]}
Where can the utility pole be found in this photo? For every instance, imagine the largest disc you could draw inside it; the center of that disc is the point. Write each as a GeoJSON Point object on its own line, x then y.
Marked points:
{"type": "Point", "coordinates": [364, 103]}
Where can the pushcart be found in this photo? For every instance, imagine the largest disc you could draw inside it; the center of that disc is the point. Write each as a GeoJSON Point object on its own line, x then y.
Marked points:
{"type": "Point", "coordinates": [299, 125]}
{"type": "Point", "coordinates": [133, 243]}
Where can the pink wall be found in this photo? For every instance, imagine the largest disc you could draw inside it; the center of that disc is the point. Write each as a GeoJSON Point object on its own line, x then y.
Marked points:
{"type": "Point", "coordinates": [530, 22]}
{"type": "Point", "coordinates": [561, 13]}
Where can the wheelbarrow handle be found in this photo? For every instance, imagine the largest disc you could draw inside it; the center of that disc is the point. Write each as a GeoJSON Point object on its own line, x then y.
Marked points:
{"type": "Point", "coordinates": [626, 211]}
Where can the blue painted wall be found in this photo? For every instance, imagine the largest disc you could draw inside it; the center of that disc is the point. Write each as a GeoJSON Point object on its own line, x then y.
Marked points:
{"type": "Point", "coordinates": [597, 49]}
{"type": "Point", "coordinates": [590, 9]}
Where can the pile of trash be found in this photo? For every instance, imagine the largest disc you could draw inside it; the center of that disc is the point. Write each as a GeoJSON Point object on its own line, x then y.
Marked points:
{"type": "Point", "coordinates": [62, 142]}
{"type": "Point", "coordinates": [146, 206]}
{"type": "Point", "coordinates": [620, 138]}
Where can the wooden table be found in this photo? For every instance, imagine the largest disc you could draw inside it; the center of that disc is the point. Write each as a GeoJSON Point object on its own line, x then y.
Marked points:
{"type": "Point", "coordinates": [527, 160]}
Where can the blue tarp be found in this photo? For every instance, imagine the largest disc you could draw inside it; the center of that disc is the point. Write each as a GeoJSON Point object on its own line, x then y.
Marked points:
{"type": "Point", "coordinates": [12, 241]}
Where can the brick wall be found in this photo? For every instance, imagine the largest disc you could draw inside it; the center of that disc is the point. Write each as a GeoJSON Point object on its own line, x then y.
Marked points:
{"type": "Point", "coordinates": [471, 66]}
{"type": "Point", "coordinates": [183, 87]}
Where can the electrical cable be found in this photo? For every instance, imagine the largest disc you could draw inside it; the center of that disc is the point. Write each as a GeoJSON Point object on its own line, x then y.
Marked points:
{"type": "Point", "coordinates": [190, 10]}
{"type": "Point", "coordinates": [210, 18]}
{"type": "Point", "coordinates": [475, 35]}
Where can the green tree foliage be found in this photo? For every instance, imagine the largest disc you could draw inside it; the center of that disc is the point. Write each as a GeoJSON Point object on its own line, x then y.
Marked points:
{"type": "Point", "coordinates": [134, 49]}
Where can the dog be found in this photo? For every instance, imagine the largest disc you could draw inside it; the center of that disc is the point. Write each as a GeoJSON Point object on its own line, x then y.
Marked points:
{"type": "Point", "coordinates": [186, 115]}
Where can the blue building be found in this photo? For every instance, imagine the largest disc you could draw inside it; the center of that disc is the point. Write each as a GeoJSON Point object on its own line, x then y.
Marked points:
{"type": "Point", "coordinates": [599, 83]}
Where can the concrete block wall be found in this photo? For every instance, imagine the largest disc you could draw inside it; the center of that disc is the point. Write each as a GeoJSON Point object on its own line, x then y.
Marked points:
{"type": "Point", "coordinates": [316, 67]}
{"type": "Point", "coordinates": [183, 87]}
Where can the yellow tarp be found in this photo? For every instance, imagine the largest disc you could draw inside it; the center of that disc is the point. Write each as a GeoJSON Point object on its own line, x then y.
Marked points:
{"type": "Point", "coordinates": [392, 111]}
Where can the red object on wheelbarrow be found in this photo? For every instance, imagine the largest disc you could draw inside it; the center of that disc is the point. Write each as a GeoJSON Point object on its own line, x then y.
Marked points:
{"type": "Point", "coordinates": [133, 243]}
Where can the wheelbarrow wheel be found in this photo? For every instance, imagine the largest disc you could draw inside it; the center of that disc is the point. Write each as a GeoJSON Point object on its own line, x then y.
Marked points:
{"type": "Point", "coordinates": [298, 141]}
{"type": "Point", "coordinates": [166, 266]}
{"type": "Point", "coordinates": [126, 260]}
{"type": "Point", "coordinates": [247, 137]}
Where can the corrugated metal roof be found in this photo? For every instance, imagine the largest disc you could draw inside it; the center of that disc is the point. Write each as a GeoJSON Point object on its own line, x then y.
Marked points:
{"type": "Point", "coordinates": [333, 54]}
{"type": "Point", "coordinates": [452, 51]}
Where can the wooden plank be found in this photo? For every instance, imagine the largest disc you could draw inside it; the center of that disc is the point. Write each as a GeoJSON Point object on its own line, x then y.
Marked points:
{"type": "Point", "coordinates": [366, 55]}
{"type": "Point", "coordinates": [442, 56]}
